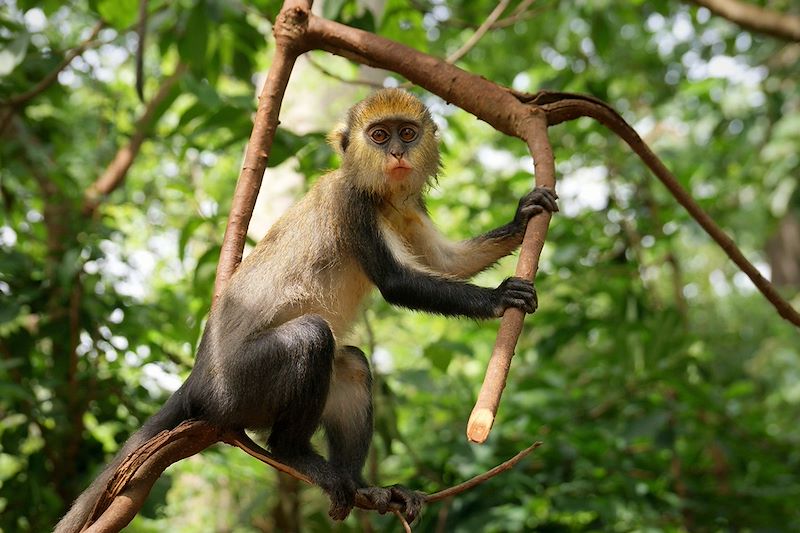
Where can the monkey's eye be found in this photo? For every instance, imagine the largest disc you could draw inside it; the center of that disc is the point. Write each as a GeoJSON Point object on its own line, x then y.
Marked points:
{"type": "Point", "coordinates": [408, 134]}
{"type": "Point", "coordinates": [379, 135]}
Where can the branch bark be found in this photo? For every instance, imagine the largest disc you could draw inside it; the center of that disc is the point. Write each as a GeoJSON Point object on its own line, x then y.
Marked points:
{"type": "Point", "coordinates": [482, 417]}
{"type": "Point", "coordinates": [755, 18]}
{"type": "Point", "coordinates": [128, 488]}
{"type": "Point", "coordinates": [288, 26]}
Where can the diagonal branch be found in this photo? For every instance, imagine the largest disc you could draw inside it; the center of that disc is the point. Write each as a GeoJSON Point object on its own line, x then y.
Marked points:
{"type": "Point", "coordinates": [561, 107]}
{"type": "Point", "coordinates": [47, 81]}
{"type": "Point", "coordinates": [290, 20]}
{"type": "Point", "coordinates": [131, 483]}
{"type": "Point", "coordinates": [117, 170]}
{"type": "Point", "coordinates": [755, 18]}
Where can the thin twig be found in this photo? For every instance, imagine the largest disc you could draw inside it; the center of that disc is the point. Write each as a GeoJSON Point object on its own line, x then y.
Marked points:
{"type": "Point", "coordinates": [402, 519]}
{"type": "Point", "coordinates": [333, 75]}
{"type": "Point", "coordinates": [480, 32]}
{"type": "Point", "coordinates": [481, 478]}
{"type": "Point", "coordinates": [44, 83]}
{"type": "Point", "coordinates": [116, 171]}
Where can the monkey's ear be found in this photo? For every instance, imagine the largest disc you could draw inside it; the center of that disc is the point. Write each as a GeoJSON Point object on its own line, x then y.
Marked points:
{"type": "Point", "coordinates": [339, 138]}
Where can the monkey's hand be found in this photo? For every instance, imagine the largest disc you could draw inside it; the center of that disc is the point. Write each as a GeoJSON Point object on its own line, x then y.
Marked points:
{"type": "Point", "coordinates": [515, 292]}
{"type": "Point", "coordinates": [382, 497]}
{"type": "Point", "coordinates": [537, 201]}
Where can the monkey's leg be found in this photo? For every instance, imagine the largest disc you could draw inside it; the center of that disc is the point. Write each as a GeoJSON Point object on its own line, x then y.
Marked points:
{"type": "Point", "coordinates": [348, 427]}
{"type": "Point", "coordinates": [347, 418]}
{"type": "Point", "coordinates": [293, 364]}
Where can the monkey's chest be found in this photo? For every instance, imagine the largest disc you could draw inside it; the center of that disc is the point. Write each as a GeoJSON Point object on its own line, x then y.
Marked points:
{"type": "Point", "coordinates": [406, 224]}
{"type": "Point", "coordinates": [341, 296]}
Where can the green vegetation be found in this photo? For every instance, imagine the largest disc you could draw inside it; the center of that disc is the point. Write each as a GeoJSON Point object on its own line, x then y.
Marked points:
{"type": "Point", "coordinates": [665, 389]}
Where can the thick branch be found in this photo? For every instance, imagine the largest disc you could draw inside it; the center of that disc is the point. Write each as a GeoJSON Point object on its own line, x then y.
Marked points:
{"type": "Point", "coordinates": [290, 21]}
{"type": "Point", "coordinates": [130, 485]}
{"type": "Point", "coordinates": [755, 18]}
{"type": "Point", "coordinates": [475, 94]}
{"type": "Point", "coordinates": [482, 417]}
{"type": "Point", "coordinates": [117, 170]}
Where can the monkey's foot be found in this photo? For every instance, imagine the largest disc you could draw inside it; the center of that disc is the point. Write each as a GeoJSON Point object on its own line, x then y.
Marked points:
{"type": "Point", "coordinates": [410, 501]}
{"type": "Point", "coordinates": [343, 498]}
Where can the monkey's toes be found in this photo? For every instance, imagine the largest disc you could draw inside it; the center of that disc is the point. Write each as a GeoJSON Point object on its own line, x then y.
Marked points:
{"type": "Point", "coordinates": [412, 500]}
{"type": "Point", "coordinates": [343, 498]}
{"type": "Point", "coordinates": [408, 501]}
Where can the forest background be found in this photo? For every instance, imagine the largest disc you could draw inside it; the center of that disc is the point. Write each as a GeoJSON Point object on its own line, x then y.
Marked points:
{"type": "Point", "coordinates": [664, 387]}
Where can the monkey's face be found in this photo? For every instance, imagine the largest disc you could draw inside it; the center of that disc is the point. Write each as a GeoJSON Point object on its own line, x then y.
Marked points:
{"type": "Point", "coordinates": [397, 139]}
{"type": "Point", "coordinates": [389, 144]}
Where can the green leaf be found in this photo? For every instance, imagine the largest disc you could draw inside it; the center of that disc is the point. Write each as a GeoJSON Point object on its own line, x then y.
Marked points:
{"type": "Point", "coordinates": [332, 8]}
{"type": "Point", "coordinates": [119, 13]}
{"type": "Point", "coordinates": [193, 43]}
{"type": "Point", "coordinates": [186, 233]}
{"type": "Point", "coordinates": [204, 92]}
{"type": "Point", "coordinates": [12, 54]}
{"type": "Point", "coordinates": [441, 353]}
{"type": "Point", "coordinates": [9, 311]}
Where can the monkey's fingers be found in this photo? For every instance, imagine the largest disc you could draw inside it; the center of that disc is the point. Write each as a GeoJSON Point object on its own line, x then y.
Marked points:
{"type": "Point", "coordinates": [378, 496]}
{"type": "Point", "coordinates": [531, 211]}
{"type": "Point", "coordinates": [544, 197]}
{"type": "Point", "coordinates": [519, 293]}
{"type": "Point", "coordinates": [525, 304]}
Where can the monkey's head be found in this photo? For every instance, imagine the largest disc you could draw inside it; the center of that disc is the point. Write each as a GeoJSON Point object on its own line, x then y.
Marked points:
{"type": "Point", "coordinates": [388, 144]}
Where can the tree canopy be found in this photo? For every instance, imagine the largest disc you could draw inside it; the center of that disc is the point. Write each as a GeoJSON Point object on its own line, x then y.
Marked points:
{"type": "Point", "coordinates": [664, 388]}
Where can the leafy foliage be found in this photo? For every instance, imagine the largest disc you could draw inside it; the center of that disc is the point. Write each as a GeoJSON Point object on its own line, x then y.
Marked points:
{"type": "Point", "coordinates": [664, 388]}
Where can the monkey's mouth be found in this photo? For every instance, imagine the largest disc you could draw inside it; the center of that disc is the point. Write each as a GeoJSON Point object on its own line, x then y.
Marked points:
{"type": "Point", "coordinates": [398, 171]}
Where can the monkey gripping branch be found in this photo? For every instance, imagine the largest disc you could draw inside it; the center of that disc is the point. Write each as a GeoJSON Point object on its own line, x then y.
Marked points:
{"type": "Point", "coordinates": [114, 502]}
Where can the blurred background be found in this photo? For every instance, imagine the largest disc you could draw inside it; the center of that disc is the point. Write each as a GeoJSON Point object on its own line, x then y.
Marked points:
{"type": "Point", "coordinates": [665, 389]}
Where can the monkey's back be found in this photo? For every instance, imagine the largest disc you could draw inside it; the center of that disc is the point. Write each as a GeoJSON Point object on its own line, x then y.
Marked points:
{"type": "Point", "coordinates": [304, 264]}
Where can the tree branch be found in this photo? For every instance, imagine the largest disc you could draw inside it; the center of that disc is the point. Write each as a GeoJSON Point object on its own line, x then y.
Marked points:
{"type": "Point", "coordinates": [755, 18]}
{"type": "Point", "coordinates": [516, 114]}
{"type": "Point", "coordinates": [47, 81]}
{"type": "Point", "coordinates": [131, 483]}
{"type": "Point", "coordinates": [117, 170]}
{"type": "Point", "coordinates": [561, 107]}
{"type": "Point", "coordinates": [289, 24]}
{"type": "Point", "coordinates": [480, 32]}
{"type": "Point", "coordinates": [482, 417]}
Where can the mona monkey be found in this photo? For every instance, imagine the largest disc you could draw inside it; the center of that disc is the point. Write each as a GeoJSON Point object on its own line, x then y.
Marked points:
{"type": "Point", "coordinates": [271, 355]}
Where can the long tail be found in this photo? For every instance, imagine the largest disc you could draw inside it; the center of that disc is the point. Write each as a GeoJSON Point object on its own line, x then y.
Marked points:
{"type": "Point", "coordinates": [172, 414]}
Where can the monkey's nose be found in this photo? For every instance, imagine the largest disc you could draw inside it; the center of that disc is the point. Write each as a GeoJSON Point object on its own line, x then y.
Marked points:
{"type": "Point", "coordinates": [397, 154]}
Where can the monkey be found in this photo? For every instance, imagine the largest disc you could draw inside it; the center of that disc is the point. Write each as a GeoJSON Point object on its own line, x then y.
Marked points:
{"type": "Point", "coordinates": [272, 356]}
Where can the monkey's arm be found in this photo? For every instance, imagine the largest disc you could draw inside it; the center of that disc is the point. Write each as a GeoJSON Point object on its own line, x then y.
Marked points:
{"type": "Point", "coordinates": [379, 254]}
{"type": "Point", "coordinates": [466, 258]}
